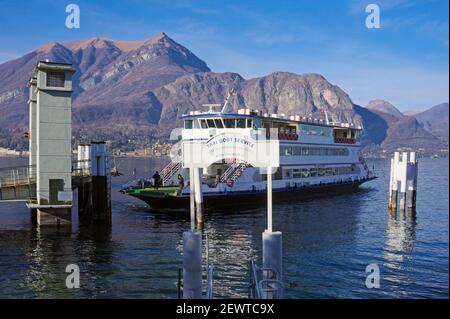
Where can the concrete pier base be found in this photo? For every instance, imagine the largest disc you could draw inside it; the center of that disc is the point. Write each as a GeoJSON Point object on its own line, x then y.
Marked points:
{"type": "Point", "coordinates": [94, 204]}
{"type": "Point", "coordinates": [272, 258]}
{"type": "Point", "coordinates": [273, 252]}
{"type": "Point", "coordinates": [192, 265]}
{"type": "Point", "coordinates": [60, 217]}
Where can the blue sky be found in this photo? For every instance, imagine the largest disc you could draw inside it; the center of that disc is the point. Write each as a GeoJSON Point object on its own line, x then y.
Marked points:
{"type": "Point", "coordinates": [404, 62]}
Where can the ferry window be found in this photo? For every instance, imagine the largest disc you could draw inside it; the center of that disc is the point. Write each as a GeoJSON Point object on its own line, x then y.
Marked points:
{"type": "Point", "coordinates": [288, 151]}
{"type": "Point", "coordinates": [203, 124]}
{"type": "Point", "coordinates": [296, 151]}
{"type": "Point", "coordinates": [287, 173]}
{"type": "Point", "coordinates": [211, 123]}
{"type": "Point", "coordinates": [240, 123]}
{"type": "Point", "coordinates": [229, 123]}
{"type": "Point", "coordinates": [219, 123]}
{"type": "Point", "coordinates": [305, 151]}
{"type": "Point", "coordinates": [315, 130]}
{"type": "Point", "coordinates": [305, 172]}
{"type": "Point", "coordinates": [188, 124]}
{"type": "Point", "coordinates": [250, 123]}
{"type": "Point", "coordinates": [313, 172]}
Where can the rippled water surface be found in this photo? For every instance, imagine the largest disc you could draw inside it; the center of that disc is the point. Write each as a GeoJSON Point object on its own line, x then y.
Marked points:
{"type": "Point", "coordinates": [327, 242]}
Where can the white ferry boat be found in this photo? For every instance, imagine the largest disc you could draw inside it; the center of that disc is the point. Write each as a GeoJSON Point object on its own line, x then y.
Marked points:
{"type": "Point", "coordinates": [317, 158]}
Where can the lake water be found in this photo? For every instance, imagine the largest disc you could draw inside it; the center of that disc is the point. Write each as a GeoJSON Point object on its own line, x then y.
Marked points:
{"type": "Point", "coordinates": [327, 243]}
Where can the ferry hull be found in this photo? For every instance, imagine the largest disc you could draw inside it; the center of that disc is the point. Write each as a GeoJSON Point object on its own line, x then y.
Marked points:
{"type": "Point", "coordinates": [231, 199]}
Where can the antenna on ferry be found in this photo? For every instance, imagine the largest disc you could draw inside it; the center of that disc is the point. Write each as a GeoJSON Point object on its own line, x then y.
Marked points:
{"type": "Point", "coordinates": [230, 93]}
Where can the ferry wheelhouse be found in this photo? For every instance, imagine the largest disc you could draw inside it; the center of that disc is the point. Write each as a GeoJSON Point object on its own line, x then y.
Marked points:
{"type": "Point", "coordinates": [317, 157]}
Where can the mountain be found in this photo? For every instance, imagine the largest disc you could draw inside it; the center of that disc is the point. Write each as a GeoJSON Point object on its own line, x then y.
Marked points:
{"type": "Point", "coordinates": [133, 93]}
{"type": "Point", "coordinates": [279, 92]}
{"type": "Point", "coordinates": [112, 82]}
{"type": "Point", "coordinates": [408, 133]}
{"type": "Point", "coordinates": [392, 131]}
{"type": "Point", "coordinates": [385, 107]}
{"type": "Point", "coordinates": [435, 120]}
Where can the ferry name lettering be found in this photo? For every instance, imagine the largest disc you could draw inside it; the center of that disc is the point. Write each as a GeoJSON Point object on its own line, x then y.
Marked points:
{"type": "Point", "coordinates": [223, 140]}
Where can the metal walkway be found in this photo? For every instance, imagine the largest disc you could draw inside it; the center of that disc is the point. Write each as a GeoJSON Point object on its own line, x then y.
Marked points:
{"type": "Point", "coordinates": [17, 183]}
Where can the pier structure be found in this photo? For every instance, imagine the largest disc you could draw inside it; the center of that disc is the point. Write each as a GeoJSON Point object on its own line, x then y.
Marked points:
{"type": "Point", "coordinates": [271, 287]}
{"type": "Point", "coordinates": [403, 178]}
{"type": "Point", "coordinates": [51, 142]}
{"type": "Point", "coordinates": [48, 182]}
{"type": "Point", "coordinates": [93, 182]}
{"type": "Point", "coordinates": [258, 151]}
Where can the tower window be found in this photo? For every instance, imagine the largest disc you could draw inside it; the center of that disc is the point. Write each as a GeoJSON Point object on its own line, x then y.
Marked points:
{"type": "Point", "coordinates": [56, 79]}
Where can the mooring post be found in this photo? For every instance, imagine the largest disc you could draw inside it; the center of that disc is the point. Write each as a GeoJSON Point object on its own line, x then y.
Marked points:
{"type": "Point", "coordinates": [391, 183]}
{"type": "Point", "coordinates": [403, 174]}
{"type": "Point", "coordinates": [198, 196]}
{"type": "Point", "coordinates": [101, 189]}
{"type": "Point", "coordinates": [394, 196]}
{"type": "Point", "coordinates": [192, 251]}
{"type": "Point", "coordinates": [192, 197]}
{"type": "Point", "coordinates": [272, 245]}
{"type": "Point", "coordinates": [80, 158]}
{"type": "Point", "coordinates": [192, 265]}
{"type": "Point", "coordinates": [412, 183]}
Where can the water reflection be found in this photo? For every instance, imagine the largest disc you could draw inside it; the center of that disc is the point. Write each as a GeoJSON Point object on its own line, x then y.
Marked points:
{"type": "Point", "coordinates": [398, 251]}
{"type": "Point", "coordinates": [50, 250]}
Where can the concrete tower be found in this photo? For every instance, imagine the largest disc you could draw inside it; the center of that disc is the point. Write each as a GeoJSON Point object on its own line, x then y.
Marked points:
{"type": "Point", "coordinates": [52, 138]}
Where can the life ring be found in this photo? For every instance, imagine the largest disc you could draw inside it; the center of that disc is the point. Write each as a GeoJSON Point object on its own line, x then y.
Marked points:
{"type": "Point", "coordinates": [230, 182]}
{"type": "Point", "coordinates": [238, 173]}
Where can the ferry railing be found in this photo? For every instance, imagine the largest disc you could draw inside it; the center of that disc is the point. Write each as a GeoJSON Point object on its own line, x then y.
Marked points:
{"type": "Point", "coordinates": [231, 171]}
{"type": "Point", "coordinates": [171, 169]}
{"type": "Point", "coordinates": [228, 172]}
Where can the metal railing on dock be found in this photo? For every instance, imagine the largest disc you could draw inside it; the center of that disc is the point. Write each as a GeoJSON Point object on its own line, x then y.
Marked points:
{"type": "Point", "coordinates": [81, 168]}
{"type": "Point", "coordinates": [17, 176]}
{"type": "Point", "coordinates": [209, 272]}
{"type": "Point", "coordinates": [270, 288]}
